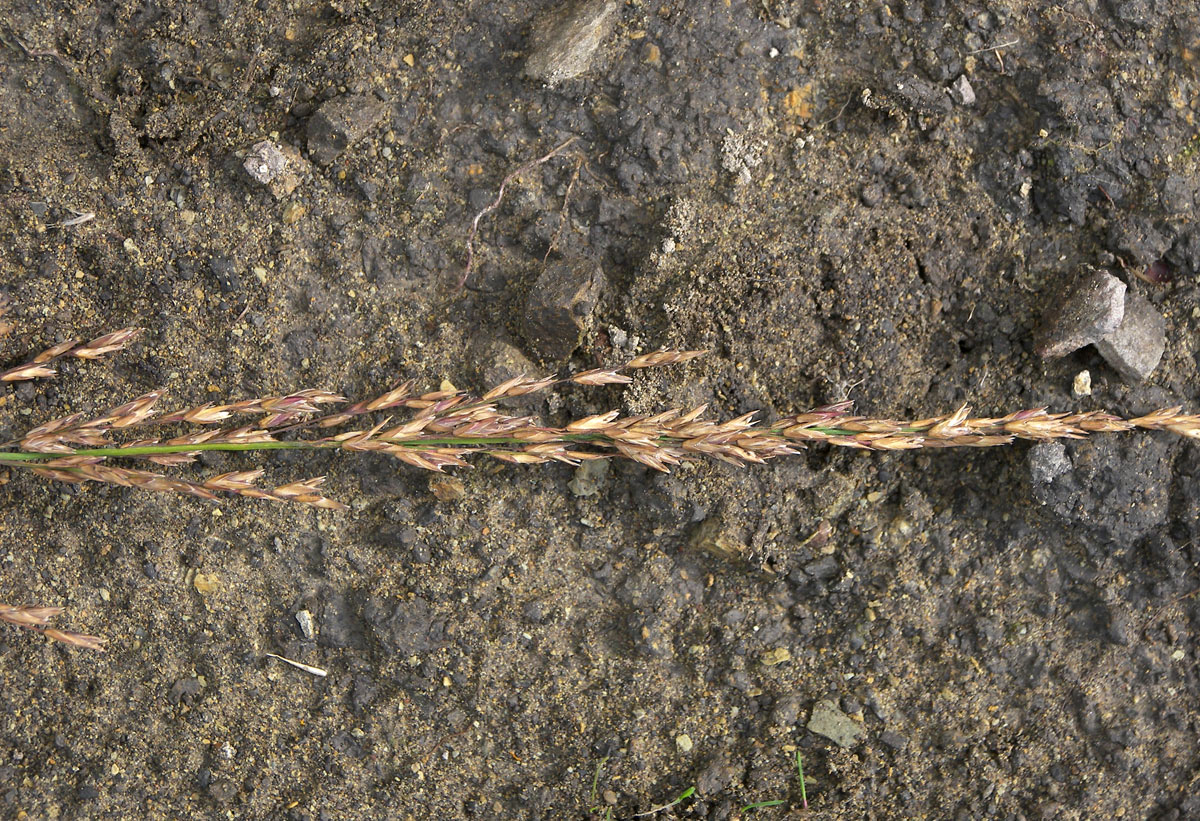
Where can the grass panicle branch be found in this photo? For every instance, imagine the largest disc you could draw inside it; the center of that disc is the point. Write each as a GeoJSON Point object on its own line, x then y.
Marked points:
{"type": "Point", "coordinates": [38, 618]}
{"type": "Point", "coordinates": [39, 366]}
{"type": "Point", "coordinates": [447, 428]}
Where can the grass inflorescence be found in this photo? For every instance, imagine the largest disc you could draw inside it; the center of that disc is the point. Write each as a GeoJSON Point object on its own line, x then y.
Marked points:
{"type": "Point", "coordinates": [447, 428]}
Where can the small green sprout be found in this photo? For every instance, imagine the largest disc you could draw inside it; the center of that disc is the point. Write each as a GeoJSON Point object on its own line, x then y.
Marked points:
{"type": "Point", "coordinates": [759, 805]}
{"type": "Point", "coordinates": [683, 796]}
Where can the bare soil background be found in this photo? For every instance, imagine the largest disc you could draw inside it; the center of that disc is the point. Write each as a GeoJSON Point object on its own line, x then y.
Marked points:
{"type": "Point", "coordinates": [790, 184]}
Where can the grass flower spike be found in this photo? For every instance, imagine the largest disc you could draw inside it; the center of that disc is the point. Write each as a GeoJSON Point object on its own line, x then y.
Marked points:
{"type": "Point", "coordinates": [448, 428]}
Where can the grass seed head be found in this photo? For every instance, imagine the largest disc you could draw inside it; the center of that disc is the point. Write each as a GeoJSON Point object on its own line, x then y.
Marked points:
{"type": "Point", "coordinates": [446, 428]}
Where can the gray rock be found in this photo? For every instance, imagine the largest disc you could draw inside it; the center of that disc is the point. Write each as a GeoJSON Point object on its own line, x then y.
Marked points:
{"type": "Point", "coordinates": [828, 721]}
{"type": "Point", "coordinates": [1048, 461]}
{"type": "Point", "coordinates": [715, 776]}
{"type": "Point", "coordinates": [824, 568]}
{"type": "Point", "coordinates": [785, 711]}
{"type": "Point", "coordinates": [340, 123]}
{"type": "Point", "coordinates": [1135, 348]}
{"type": "Point", "coordinates": [308, 625]}
{"type": "Point", "coordinates": [589, 478]}
{"type": "Point", "coordinates": [264, 162]}
{"type": "Point", "coordinates": [559, 308]}
{"type": "Point", "coordinates": [1138, 238]}
{"type": "Point", "coordinates": [1091, 309]}
{"type": "Point", "coordinates": [566, 40]}
{"type": "Point", "coordinates": [185, 690]}
{"type": "Point", "coordinates": [962, 92]}
{"type": "Point", "coordinates": [275, 166]}
{"type": "Point", "coordinates": [1179, 193]}
{"type": "Point", "coordinates": [495, 361]}
{"type": "Point", "coordinates": [905, 92]}
{"type": "Point", "coordinates": [225, 272]}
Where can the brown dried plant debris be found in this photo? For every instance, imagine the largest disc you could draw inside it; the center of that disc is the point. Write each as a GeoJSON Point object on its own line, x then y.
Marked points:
{"type": "Point", "coordinates": [445, 428]}
{"type": "Point", "coordinates": [38, 618]}
{"type": "Point", "coordinates": [38, 367]}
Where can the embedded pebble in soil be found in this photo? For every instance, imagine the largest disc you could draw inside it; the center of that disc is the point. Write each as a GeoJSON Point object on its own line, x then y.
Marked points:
{"type": "Point", "coordinates": [829, 721]}
{"type": "Point", "coordinates": [565, 41]}
{"type": "Point", "coordinates": [1135, 348]}
{"type": "Point", "coordinates": [962, 92]}
{"type": "Point", "coordinates": [308, 625]}
{"type": "Point", "coordinates": [264, 162]}
{"type": "Point", "coordinates": [1048, 461]}
{"type": "Point", "coordinates": [1081, 385]}
{"type": "Point", "coordinates": [274, 165]}
{"type": "Point", "coordinates": [1090, 310]}
{"type": "Point", "coordinates": [589, 478]}
{"type": "Point", "coordinates": [492, 361]}
{"type": "Point", "coordinates": [339, 123]}
{"type": "Point", "coordinates": [560, 306]}
{"type": "Point", "coordinates": [206, 584]}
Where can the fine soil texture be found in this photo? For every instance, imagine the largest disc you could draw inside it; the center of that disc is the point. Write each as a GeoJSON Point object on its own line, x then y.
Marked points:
{"type": "Point", "coordinates": [881, 202]}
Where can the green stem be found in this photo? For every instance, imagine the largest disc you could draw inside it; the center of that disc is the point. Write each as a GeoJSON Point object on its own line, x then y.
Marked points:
{"type": "Point", "coordinates": [17, 457]}
{"type": "Point", "coordinates": [156, 450]}
{"type": "Point", "coordinates": [24, 459]}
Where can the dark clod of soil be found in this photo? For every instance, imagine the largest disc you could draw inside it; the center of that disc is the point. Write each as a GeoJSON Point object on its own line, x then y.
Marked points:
{"type": "Point", "coordinates": [560, 306]}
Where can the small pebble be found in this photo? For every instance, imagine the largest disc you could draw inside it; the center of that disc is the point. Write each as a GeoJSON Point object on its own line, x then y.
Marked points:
{"type": "Point", "coordinates": [340, 123]}
{"type": "Point", "coordinates": [307, 624]}
{"type": "Point", "coordinates": [684, 743]}
{"type": "Point", "coordinates": [447, 488]}
{"type": "Point", "coordinates": [1048, 461]}
{"type": "Point", "coordinates": [292, 212]}
{"type": "Point", "coordinates": [560, 305]}
{"type": "Point", "coordinates": [206, 583]}
{"type": "Point", "coordinates": [277, 166]}
{"type": "Point", "coordinates": [1136, 347]}
{"type": "Point", "coordinates": [566, 40]}
{"type": "Point", "coordinates": [589, 478]}
{"type": "Point", "coordinates": [265, 162]}
{"type": "Point", "coordinates": [1082, 386]}
{"type": "Point", "coordinates": [779, 655]}
{"type": "Point", "coordinates": [829, 721]}
{"type": "Point", "coordinates": [962, 92]}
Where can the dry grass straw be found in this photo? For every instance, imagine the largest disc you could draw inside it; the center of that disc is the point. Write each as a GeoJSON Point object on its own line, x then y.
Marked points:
{"type": "Point", "coordinates": [38, 618]}
{"type": "Point", "coordinates": [445, 429]}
